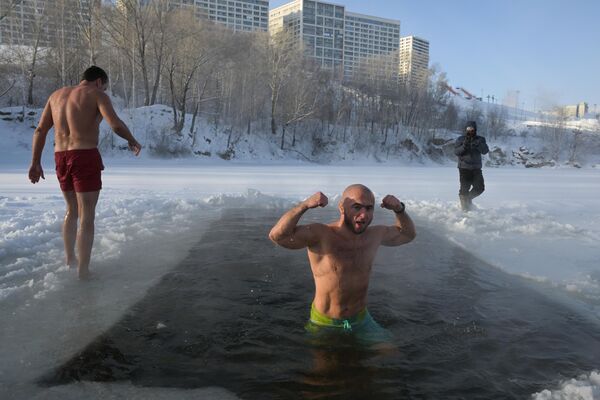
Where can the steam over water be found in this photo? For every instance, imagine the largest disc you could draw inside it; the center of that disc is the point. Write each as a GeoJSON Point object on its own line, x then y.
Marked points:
{"type": "Point", "coordinates": [232, 313]}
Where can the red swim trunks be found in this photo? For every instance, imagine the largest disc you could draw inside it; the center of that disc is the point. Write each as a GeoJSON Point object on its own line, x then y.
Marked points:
{"type": "Point", "coordinates": [79, 170]}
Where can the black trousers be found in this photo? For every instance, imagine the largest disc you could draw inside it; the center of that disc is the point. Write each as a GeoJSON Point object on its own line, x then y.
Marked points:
{"type": "Point", "coordinates": [471, 182]}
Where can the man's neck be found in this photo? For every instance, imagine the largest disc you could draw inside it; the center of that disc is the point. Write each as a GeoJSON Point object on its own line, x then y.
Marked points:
{"type": "Point", "coordinates": [87, 84]}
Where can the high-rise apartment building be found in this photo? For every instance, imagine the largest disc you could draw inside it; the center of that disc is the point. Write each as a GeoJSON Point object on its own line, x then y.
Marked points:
{"type": "Point", "coordinates": [320, 25]}
{"type": "Point", "coordinates": [337, 38]}
{"type": "Point", "coordinates": [370, 39]}
{"type": "Point", "coordinates": [43, 21]}
{"type": "Point", "coordinates": [237, 15]}
{"type": "Point", "coordinates": [414, 61]}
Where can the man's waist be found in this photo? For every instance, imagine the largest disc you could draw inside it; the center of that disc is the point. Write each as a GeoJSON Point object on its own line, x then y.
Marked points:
{"type": "Point", "coordinates": [319, 318]}
{"type": "Point", "coordinates": [76, 150]}
{"type": "Point", "coordinates": [75, 142]}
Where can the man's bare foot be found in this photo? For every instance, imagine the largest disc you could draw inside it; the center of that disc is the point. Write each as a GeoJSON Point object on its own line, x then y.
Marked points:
{"type": "Point", "coordinates": [72, 263]}
{"type": "Point", "coordinates": [84, 274]}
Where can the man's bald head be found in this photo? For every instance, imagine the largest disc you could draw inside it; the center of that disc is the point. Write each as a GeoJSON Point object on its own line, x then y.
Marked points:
{"type": "Point", "coordinates": [356, 191]}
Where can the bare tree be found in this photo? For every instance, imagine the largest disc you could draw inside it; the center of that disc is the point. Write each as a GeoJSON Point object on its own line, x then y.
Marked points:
{"type": "Point", "coordinates": [162, 19]}
{"type": "Point", "coordinates": [575, 146]}
{"type": "Point", "coordinates": [191, 52]}
{"type": "Point", "coordinates": [555, 134]}
{"type": "Point", "coordinates": [283, 53]}
{"type": "Point", "coordinates": [66, 55]}
{"type": "Point", "coordinates": [495, 122]}
{"type": "Point", "coordinates": [132, 26]}
{"type": "Point", "coordinates": [25, 43]}
{"type": "Point", "coordinates": [298, 99]}
{"type": "Point", "coordinates": [6, 7]}
{"type": "Point", "coordinates": [450, 117]}
{"type": "Point", "coordinates": [88, 15]}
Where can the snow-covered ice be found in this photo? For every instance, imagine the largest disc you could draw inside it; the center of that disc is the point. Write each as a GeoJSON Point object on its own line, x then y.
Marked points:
{"type": "Point", "coordinates": [541, 224]}
{"type": "Point", "coordinates": [586, 387]}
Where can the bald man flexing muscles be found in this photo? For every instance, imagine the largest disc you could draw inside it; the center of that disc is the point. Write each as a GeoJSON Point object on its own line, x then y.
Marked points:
{"type": "Point", "coordinates": [341, 255]}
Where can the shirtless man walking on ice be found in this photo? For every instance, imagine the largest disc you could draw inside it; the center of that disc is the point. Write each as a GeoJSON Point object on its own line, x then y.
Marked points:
{"type": "Point", "coordinates": [341, 254]}
{"type": "Point", "coordinates": [76, 113]}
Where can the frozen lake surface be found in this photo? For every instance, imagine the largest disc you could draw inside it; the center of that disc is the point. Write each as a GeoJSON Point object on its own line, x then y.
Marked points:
{"type": "Point", "coordinates": [232, 315]}
{"type": "Point", "coordinates": [199, 303]}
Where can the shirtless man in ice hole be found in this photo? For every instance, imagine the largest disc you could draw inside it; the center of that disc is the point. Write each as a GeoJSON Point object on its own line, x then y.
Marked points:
{"type": "Point", "coordinates": [341, 255]}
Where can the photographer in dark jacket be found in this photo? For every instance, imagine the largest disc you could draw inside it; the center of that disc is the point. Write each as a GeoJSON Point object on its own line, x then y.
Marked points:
{"type": "Point", "coordinates": [469, 149]}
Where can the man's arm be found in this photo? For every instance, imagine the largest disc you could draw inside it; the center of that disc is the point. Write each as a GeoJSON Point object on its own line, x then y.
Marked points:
{"type": "Point", "coordinates": [115, 123]}
{"type": "Point", "coordinates": [39, 141]}
{"type": "Point", "coordinates": [404, 229]}
{"type": "Point", "coordinates": [482, 145]}
{"type": "Point", "coordinates": [286, 231]}
{"type": "Point", "coordinates": [461, 146]}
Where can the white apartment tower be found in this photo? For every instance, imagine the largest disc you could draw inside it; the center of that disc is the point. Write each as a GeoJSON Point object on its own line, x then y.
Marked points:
{"type": "Point", "coordinates": [238, 15]}
{"type": "Point", "coordinates": [370, 38]}
{"type": "Point", "coordinates": [414, 61]}
{"type": "Point", "coordinates": [28, 21]}
{"type": "Point", "coordinates": [337, 38]}
{"type": "Point", "coordinates": [318, 24]}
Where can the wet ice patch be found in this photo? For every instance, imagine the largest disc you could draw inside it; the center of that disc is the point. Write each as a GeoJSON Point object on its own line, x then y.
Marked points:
{"type": "Point", "coordinates": [251, 198]}
{"type": "Point", "coordinates": [500, 221]}
{"type": "Point", "coordinates": [521, 240]}
{"type": "Point", "coordinates": [32, 256]}
{"type": "Point", "coordinates": [586, 387]}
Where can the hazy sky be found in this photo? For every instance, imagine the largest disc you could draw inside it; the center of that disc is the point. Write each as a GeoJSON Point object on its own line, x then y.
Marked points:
{"type": "Point", "coordinates": [548, 50]}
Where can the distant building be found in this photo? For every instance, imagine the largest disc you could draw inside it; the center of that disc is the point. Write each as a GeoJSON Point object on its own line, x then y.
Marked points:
{"type": "Point", "coordinates": [414, 61]}
{"type": "Point", "coordinates": [27, 21]}
{"type": "Point", "coordinates": [582, 109]}
{"type": "Point", "coordinates": [370, 38]}
{"type": "Point", "coordinates": [576, 111]}
{"type": "Point", "coordinates": [237, 15]}
{"type": "Point", "coordinates": [570, 111]}
{"type": "Point", "coordinates": [337, 38]}
{"type": "Point", "coordinates": [319, 26]}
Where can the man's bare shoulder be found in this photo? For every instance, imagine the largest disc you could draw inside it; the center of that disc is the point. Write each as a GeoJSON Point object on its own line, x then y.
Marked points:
{"type": "Point", "coordinates": [59, 92]}
{"type": "Point", "coordinates": [101, 96]}
{"type": "Point", "coordinates": [65, 89]}
{"type": "Point", "coordinates": [317, 230]}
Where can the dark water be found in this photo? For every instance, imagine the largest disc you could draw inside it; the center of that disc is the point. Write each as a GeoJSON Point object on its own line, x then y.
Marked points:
{"type": "Point", "coordinates": [234, 312]}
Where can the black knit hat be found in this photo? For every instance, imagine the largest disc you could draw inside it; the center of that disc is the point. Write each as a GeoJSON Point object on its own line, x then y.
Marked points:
{"type": "Point", "coordinates": [471, 124]}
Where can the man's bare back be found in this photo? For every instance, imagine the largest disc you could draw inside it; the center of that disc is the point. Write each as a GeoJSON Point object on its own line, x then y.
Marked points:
{"type": "Point", "coordinates": [76, 113]}
{"type": "Point", "coordinates": [76, 117]}
{"type": "Point", "coordinates": [341, 253]}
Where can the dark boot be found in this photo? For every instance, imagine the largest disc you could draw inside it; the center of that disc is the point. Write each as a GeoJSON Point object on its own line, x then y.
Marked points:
{"type": "Point", "coordinates": [465, 202]}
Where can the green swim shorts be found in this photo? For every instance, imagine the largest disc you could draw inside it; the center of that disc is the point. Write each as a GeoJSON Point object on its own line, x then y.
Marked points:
{"type": "Point", "coordinates": [361, 327]}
